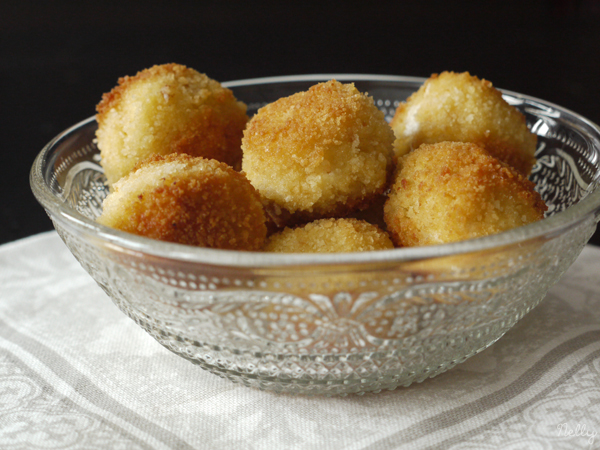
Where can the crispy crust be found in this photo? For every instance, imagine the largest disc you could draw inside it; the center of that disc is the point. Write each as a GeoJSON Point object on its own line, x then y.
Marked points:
{"type": "Point", "coordinates": [189, 200]}
{"type": "Point", "coordinates": [319, 153]}
{"type": "Point", "coordinates": [463, 108]}
{"type": "Point", "coordinates": [168, 109]}
{"type": "Point", "coordinates": [449, 191]}
{"type": "Point", "coordinates": [328, 236]}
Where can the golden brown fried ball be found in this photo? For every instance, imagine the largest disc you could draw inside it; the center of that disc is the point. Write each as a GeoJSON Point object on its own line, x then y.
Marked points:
{"type": "Point", "coordinates": [460, 107]}
{"type": "Point", "coordinates": [452, 191]}
{"type": "Point", "coordinates": [189, 200]}
{"type": "Point", "coordinates": [318, 153]}
{"type": "Point", "coordinates": [329, 236]}
{"type": "Point", "coordinates": [168, 109]}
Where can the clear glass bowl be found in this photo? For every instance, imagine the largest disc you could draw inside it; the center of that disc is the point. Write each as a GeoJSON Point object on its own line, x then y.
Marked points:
{"type": "Point", "coordinates": [332, 323]}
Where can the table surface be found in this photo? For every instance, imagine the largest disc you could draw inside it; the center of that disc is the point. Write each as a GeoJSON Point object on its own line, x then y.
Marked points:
{"type": "Point", "coordinates": [58, 58]}
{"type": "Point", "coordinates": [76, 373]}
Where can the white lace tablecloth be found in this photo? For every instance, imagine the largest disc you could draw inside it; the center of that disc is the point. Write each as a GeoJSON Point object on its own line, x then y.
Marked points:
{"type": "Point", "coordinates": [76, 373]}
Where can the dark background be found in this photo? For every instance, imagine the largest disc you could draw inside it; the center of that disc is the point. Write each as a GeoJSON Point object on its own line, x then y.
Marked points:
{"type": "Point", "coordinates": [58, 57]}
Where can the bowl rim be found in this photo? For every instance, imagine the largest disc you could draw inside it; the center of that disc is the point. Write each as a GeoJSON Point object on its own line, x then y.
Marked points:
{"type": "Point", "coordinates": [587, 208]}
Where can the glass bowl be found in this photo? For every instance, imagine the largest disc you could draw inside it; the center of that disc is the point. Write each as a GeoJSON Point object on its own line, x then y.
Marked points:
{"type": "Point", "coordinates": [332, 323]}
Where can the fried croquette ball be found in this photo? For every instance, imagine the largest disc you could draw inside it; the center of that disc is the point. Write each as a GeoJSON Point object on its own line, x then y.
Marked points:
{"type": "Point", "coordinates": [329, 236]}
{"type": "Point", "coordinates": [450, 191]}
{"type": "Point", "coordinates": [189, 200]}
{"type": "Point", "coordinates": [168, 109]}
{"type": "Point", "coordinates": [460, 107]}
{"type": "Point", "coordinates": [318, 153]}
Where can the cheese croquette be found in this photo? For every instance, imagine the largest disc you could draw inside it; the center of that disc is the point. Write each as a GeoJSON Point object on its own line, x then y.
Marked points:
{"type": "Point", "coordinates": [329, 236]}
{"type": "Point", "coordinates": [168, 109]}
{"type": "Point", "coordinates": [188, 200]}
{"type": "Point", "coordinates": [318, 153]}
{"type": "Point", "coordinates": [460, 107]}
{"type": "Point", "coordinates": [312, 172]}
{"type": "Point", "coordinates": [449, 191]}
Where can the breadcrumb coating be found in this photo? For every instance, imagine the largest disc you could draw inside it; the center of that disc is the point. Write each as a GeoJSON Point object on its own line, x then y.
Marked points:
{"type": "Point", "coordinates": [319, 153]}
{"type": "Point", "coordinates": [450, 191]}
{"type": "Point", "coordinates": [188, 200]}
{"type": "Point", "coordinates": [460, 107]}
{"type": "Point", "coordinates": [329, 236]}
{"type": "Point", "coordinates": [168, 109]}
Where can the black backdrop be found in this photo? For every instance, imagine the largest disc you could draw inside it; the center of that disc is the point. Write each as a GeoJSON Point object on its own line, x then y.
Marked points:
{"type": "Point", "coordinates": [58, 57]}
